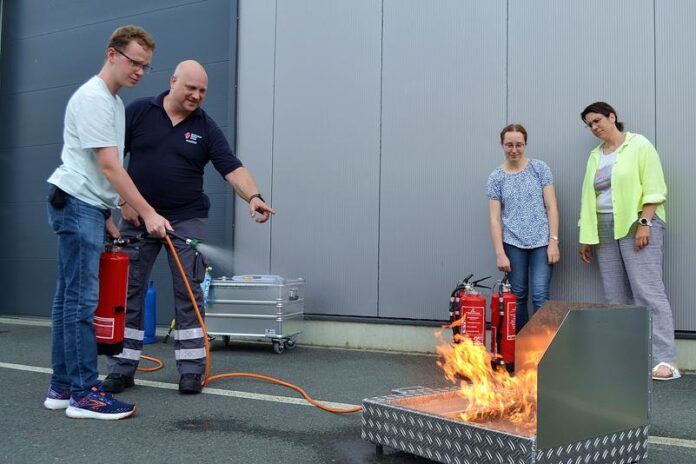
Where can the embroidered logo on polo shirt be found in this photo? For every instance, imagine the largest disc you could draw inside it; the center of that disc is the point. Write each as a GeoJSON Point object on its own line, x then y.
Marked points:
{"type": "Point", "coordinates": [192, 138]}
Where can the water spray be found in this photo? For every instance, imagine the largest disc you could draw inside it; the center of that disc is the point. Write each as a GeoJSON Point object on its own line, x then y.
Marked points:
{"type": "Point", "coordinates": [222, 259]}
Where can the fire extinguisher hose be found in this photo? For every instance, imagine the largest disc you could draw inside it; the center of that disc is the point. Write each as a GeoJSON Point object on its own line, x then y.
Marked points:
{"type": "Point", "coordinates": [208, 378]}
{"type": "Point", "coordinates": [159, 364]}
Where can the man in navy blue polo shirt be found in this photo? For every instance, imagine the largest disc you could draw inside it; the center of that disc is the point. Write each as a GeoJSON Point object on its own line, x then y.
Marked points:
{"type": "Point", "coordinates": [170, 140]}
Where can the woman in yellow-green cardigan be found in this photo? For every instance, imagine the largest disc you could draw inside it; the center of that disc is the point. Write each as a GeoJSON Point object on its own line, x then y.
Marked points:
{"type": "Point", "coordinates": [622, 216]}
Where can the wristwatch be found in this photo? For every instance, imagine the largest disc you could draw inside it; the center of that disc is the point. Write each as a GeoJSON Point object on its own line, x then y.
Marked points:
{"type": "Point", "coordinates": [645, 222]}
{"type": "Point", "coordinates": [554, 237]}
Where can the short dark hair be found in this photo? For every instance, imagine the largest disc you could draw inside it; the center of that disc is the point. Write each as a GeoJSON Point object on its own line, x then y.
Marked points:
{"type": "Point", "coordinates": [124, 35]}
{"type": "Point", "coordinates": [602, 108]}
{"type": "Point", "coordinates": [513, 128]}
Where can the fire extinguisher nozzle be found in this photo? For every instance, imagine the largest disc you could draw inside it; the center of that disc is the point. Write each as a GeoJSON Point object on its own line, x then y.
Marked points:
{"type": "Point", "coordinates": [192, 242]}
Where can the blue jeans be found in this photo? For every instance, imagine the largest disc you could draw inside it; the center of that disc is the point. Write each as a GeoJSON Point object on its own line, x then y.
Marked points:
{"type": "Point", "coordinates": [81, 232]}
{"type": "Point", "coordinates": [530, 268]}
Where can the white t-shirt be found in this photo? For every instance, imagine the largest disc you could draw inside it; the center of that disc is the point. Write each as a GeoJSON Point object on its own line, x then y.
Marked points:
{"type": "Point", "coordinates": [602, 181]}
{"type": "Point", "coordinates": [94, 118]}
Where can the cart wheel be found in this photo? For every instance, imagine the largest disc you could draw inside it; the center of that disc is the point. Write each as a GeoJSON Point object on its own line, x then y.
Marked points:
{"type": "Point", "coordinates": [278, 347]}
{"type": "Point", "coordinates": [226, 340]}
{"type": "Point", "coordinates": [290, 343]}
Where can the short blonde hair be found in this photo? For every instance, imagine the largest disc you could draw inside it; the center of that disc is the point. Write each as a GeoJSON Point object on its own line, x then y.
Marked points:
{"type": "Point", "coordinates": [124, 35]}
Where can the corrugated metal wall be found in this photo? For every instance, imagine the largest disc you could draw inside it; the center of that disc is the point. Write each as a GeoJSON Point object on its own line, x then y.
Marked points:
{"type": "Point", "coordinates": [374, 124]}
{"type": "Point", "coordinates": [48, 50]}
{"type": "Point", "coordinates": [675, 117]}
{"type": "Point", "coordinates": [561, 58]}
{"type": "Point", "coordinates": [328, 195]}
{"type": "Point", "coordinates": [443, 85]}
{"type": "Point", "coordinates": [371, 125]}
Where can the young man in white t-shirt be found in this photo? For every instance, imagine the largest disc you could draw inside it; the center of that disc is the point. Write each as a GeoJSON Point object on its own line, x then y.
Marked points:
{"type": "Point", "coordinates": [83, 191]}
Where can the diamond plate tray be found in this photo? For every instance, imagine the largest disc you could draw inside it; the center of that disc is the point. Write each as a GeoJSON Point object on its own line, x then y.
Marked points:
{"type": "Point", "coordinates": [386, 423]}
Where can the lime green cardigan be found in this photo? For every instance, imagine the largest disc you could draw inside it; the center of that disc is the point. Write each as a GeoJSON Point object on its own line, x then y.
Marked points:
{"type": "Point", "coordinates": [636, 180]}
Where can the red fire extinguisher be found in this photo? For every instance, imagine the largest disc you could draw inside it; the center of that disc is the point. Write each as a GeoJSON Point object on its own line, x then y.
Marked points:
{"type": "Point", "coordinates": [110, 316]}
{"type": "Point", "coordinates": [503, 310]}
{"type": "Point", "coordinates": [468, 311]}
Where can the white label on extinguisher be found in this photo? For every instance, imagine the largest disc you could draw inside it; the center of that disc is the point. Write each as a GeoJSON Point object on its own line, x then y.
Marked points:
{"type": "Point", "coordinates": [510, 322]}
{"type": "Point", "coordinates": [474, 323]}
{"type": "Point", "coordinates": [104, 327]}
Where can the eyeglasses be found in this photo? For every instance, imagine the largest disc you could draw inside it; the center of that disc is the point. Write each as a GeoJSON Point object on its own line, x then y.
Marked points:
{"type": "Point", "coordinates": [135, 64]}
{"type": "Point", "coordinates": [510, 146]}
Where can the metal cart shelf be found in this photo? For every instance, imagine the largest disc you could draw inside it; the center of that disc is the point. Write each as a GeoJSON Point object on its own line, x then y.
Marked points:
{"type": "Point", "coordinates": [256, 307]}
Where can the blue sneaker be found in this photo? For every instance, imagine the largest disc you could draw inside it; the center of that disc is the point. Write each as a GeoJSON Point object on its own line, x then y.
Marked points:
{"type": "Point", "coordinates": [98, 404]}
{"type": "Point", "coordinates": [56, 400]}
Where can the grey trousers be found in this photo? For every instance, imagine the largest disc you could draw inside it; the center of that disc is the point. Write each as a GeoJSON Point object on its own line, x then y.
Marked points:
{"type": "Point", "coordinates": [189, 344]}
{"type": "Point", "coordinates": [635, 278]}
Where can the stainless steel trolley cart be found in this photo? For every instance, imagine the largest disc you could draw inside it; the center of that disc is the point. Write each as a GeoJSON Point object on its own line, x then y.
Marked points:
{"type": "Point", "coordinates": [258, 307]}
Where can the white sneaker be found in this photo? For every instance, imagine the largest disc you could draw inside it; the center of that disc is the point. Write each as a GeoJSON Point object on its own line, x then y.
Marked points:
{"type": "Point", "coordinates": [56, 400]}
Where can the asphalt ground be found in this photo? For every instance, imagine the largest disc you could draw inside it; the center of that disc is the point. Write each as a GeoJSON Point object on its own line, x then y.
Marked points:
{"type": "Point", "coordinates": [248, 421]}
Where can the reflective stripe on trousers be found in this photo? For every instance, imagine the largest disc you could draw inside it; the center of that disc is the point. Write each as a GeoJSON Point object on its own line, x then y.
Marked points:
{"type": "Point", "coordinates": [191, 353]}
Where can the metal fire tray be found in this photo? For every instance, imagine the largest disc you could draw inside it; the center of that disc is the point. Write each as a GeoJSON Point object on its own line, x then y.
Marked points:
{"type": "Point", "coordinates": [593, 390]}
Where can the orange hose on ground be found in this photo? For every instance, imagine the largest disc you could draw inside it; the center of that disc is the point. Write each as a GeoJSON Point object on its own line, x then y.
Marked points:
{"type": "Point", "coordinates": [207, 379]}
{"type": "Point", "coordinates": [158, 362]}
{"type": "Point", "coordinates": [306, 396]}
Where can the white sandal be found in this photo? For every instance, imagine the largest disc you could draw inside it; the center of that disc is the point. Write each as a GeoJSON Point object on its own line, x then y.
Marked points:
{"type": "Point", "coordinates": [675, 374]}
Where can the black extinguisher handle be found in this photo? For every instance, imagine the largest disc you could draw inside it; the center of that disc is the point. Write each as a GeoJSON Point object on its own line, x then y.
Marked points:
{"type": "Point", "coordinates": [454, 311]}
{"type": "Point", "coordinates": [122, 241]}
{"type": "Point", "coordinates": [501, 312]}
{"type": "Point", "coordinates": [477, 283]}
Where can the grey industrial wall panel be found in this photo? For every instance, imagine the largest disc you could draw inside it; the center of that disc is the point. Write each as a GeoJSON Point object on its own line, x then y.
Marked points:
{"type": "Point", "coordinates": [256, 57]}
{"type": "Point", "coordinates": [29, 167]}
{"type": "Point", "coordinates": [49, 49]}
{"type": "Point", "coordinates": [562, 58]}
{"type": "Point", "coordinates": [27, 112]}
{"type": "Point", "coordinates": [326, 152]}
{"type": "Point", "coordinates": [33, 295]}
{"type": "Point", "coordinates": [675, 50]}
{"type": "Point", "coordinates": [537, 63]}
{"type": "Point", "coordinates": [39, 67]}
{"type": "Point", "coordinates": [25, 238]}
{"type": "Point", "coordinates": [353, 114]}
{"type": "Point", "coordinates": [41, 17]}
{"type": "Point", "coordinates": [443, 104]}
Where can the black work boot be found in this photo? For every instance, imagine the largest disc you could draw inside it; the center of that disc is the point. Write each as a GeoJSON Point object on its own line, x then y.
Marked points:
{"type": "Point", "coordinates": [190, 383]}
{"type": "Point", "coordinates": [116, 383]}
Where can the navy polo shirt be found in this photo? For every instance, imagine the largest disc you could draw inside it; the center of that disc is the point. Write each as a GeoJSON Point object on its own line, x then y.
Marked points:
{"type": "Point", "coordinates": [167, 162]}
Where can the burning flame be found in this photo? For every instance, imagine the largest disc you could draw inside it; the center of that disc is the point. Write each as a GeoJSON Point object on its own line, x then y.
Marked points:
{"type": "Point", "coordinates": [491, 394]}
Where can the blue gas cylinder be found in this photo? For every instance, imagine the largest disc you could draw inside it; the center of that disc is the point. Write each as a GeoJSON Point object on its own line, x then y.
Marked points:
{"type": "Point", "coordinates": [150, 313]}
{"type": "Point", "coordinates": [205, 285]}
